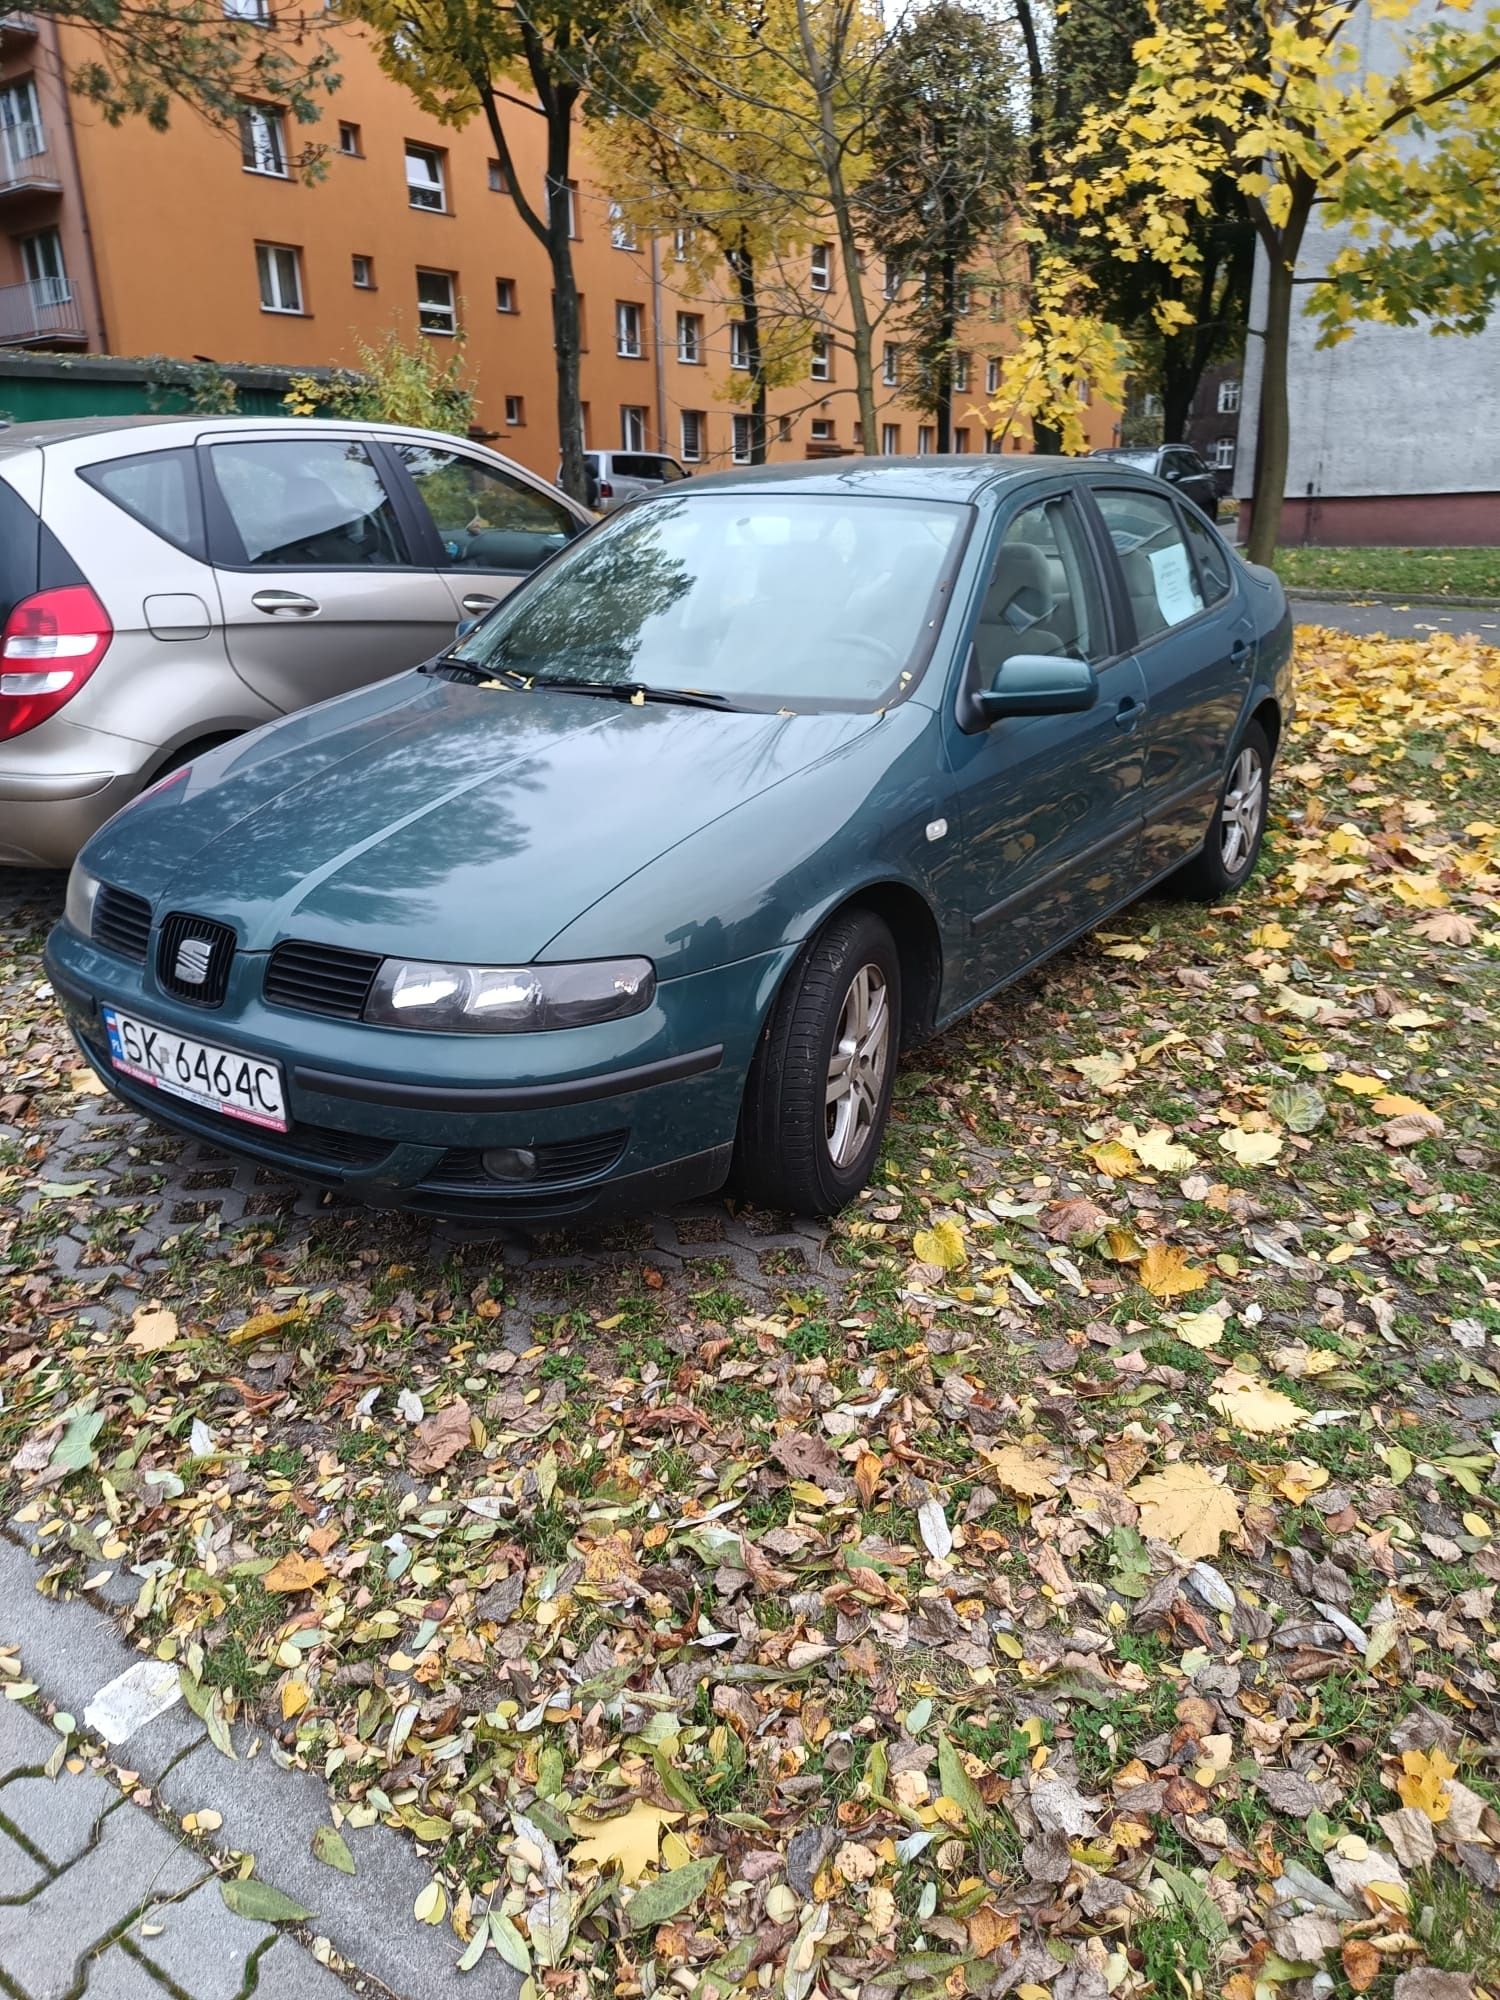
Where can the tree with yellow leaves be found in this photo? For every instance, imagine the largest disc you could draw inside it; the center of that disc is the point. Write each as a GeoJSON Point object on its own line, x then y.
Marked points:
{"type": "Point", "coordinates": [1383, 118]}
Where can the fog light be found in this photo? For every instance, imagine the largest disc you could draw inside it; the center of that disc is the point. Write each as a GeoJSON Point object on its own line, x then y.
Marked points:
{"type": "Point", "coordinates": [509, 1163]}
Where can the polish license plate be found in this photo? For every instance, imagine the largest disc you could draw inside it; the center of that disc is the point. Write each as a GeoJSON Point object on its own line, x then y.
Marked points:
{"type": "Point", "coordinates": [222, 1080]}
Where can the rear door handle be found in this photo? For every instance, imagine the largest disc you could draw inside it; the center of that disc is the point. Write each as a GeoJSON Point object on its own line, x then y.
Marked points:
{"type": "Point", "coordinates": [1238, 651]}
{"type": "Point", "coordinates": [1129, 713]}
{"type": "Point", "coordinates": [476, 604]}
{"type": "Point", "coordinates": [285, 604]}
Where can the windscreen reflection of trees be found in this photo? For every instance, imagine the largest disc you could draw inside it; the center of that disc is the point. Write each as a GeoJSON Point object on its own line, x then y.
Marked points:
{"type": "Point", "coordinates": [586, 619]}
{"type": "Point", "coordinates": [783, 600]}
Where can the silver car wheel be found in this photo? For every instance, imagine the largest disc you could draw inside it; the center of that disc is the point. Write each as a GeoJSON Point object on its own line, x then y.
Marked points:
{"type": "Point", "coordinates": [857, 1067]}
{"type": "Point", "coordinates": [1244, 805]}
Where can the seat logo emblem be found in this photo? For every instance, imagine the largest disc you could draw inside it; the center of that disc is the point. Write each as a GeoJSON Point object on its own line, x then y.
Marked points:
{"type": "Point", "coordinates": [193, 958]}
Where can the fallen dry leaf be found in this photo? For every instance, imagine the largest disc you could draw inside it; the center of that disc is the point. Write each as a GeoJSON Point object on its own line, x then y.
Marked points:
{"type": "Point", "coordinates": [1187, 1506]}
{"type": "Point", "coordinates": [1166, 1273]}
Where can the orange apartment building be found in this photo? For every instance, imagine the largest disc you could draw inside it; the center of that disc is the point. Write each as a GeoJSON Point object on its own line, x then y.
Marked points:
{"type": "Point", "coordinates": [202, 243]}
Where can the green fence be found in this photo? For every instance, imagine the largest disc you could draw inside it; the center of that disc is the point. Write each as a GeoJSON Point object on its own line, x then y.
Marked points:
{"type": "Point", "coordinates": [47, 388]}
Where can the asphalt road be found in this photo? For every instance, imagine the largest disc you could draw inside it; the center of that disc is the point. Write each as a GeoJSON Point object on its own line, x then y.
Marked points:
{"type": "Point", "coordinates": [1400, 621]}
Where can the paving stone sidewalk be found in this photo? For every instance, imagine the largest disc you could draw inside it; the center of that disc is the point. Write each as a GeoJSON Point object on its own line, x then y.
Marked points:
{"type": "Point", "coordinates": [102, 1895]}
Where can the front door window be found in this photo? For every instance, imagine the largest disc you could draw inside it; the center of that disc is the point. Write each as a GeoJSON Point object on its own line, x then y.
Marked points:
{"type": "Point", "coordinates": [484, 519]}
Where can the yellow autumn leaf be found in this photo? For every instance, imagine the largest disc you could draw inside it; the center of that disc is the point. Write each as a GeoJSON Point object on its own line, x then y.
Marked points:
{"type": "Point", "coordinates": [631, 1838]}
{"type": "Point", "coordinates": [1299, 1478]}
{"type": "Point", "coordinates": [431, 1906]}
{"type": "Point", "coordinates": [1157, 1149]}
{"type": "Point", "coordinates": [1029, 1475]}
{"type": "Point", "coordinates": [942, 1245]}
{"type": "Point", "coordinates": [1392, 1103]}
{"type": "Point", "coordinates": [151, 1330]}
{"type": "Point", "coordinates": [1274, 936]}
{"type": "Point", "coordinates": [1186, 1505]}
{"type": "Point", "coordinates": [1362, 1086]}
{"type": "Point", "coordinates": [294, 1698]}
{"type": "Point", "coordinates": [1423, 1782]}
{"type": "Point", "coordinates": [1166, 1272]}
{"type": "Point", "coordinates": [1111, 1158]}
{"type": "Point", "coordinates": [1251, 1406]}
{"type": "Point", "coordinates": [1251, 1149]}
{"type": "Point", "coordinates": [1103, 1070]}
{"type": "Point", "coordinates": [1200, 1329]}
{"type": "Point", "coordinates": [293, 1573]}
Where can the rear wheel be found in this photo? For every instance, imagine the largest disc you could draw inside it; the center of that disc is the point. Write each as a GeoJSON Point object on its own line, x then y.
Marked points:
{"type": "Point", "coordinates": [1239, 823]}
{"type": "Point", "coordinates": [820, 1086]}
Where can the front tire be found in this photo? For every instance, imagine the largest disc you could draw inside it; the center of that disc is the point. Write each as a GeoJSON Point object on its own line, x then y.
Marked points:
{"type": "Point", "coordinates": [820, 1086]}
{"type": "Point", "coordinates": [1232, 848]}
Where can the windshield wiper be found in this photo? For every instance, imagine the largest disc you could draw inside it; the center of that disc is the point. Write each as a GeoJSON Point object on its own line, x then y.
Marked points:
{"type": "Point", "coordinates": [636, 691]}
{"type": "Point", "coordinates": [456, 665]}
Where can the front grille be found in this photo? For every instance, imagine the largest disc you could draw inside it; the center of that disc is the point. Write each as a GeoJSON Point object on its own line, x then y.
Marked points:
{"type": "Point", "coordinates": [193, 958]}
{"type": "Point", "coordinates": [122, 922]}
{"type": "Point", "coordinates": [321, 978]}
{"type": "Point", "coordinates": [462, 1170]}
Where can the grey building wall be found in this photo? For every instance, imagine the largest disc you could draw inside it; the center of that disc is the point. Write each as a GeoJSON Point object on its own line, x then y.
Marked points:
{"type": "Point", "coordinates": [1391, 411]}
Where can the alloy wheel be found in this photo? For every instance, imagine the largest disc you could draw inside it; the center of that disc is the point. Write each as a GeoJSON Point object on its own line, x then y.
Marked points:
{"type": "Point", "coordinates": [857, 1067]}
{"type": "Point", "coordinates": [1244, 803]}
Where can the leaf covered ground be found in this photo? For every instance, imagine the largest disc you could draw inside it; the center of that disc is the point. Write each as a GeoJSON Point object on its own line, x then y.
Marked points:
{"type": "Point", "coordinates": [1078, 1577]}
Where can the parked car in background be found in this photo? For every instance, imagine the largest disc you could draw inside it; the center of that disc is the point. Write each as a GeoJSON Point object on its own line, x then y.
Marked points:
{"type": "Point", "coordinates": [1176, 464]}
{"type": "Point", "coordinates": [651, 875]}
{"type": "Point", "coordinates": [168, 583]}
{"type": "Point", "coordinates": [617, 476]}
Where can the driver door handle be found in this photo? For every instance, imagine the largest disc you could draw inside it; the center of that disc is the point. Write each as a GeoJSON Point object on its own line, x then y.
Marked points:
{"type": "Point", "coordinates": [1129, 713]}
{"type": "Point", "coordinates": [476, 603]}
{"type": "Point", "coordinates": [285, 604]}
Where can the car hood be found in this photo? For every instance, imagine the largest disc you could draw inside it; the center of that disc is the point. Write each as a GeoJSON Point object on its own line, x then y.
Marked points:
{"type": "Point", "coordinates": [431, 819]}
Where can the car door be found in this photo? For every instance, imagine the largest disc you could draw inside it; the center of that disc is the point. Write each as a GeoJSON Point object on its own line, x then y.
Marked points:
{"type": "Point", "coordinates": [1050, 805]}
{"type": "Point", "coordinates": [1194, 649]}
{"type": "Point", "coordinates": [314, 565]}
{"type": "Point", "coordinates": [492, 527]}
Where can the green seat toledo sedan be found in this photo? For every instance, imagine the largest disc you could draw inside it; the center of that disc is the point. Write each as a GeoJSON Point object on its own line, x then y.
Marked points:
{"type": "Point", "coordinates": [645, 883]}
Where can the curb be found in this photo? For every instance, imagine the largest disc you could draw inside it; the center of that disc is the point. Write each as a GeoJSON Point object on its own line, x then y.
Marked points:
{"type": "Point", "coordinates": [1302, 593]}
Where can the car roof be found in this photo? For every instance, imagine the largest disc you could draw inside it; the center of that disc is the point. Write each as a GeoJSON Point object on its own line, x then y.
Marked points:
{"type": "Point", "coordinates": [956, 476]}
{"type": "Point", "coordinates": [46, 431]}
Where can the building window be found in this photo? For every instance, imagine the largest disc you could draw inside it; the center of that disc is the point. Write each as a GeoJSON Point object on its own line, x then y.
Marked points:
{"type": "Point", "coordinates": [859, 435]}
{"type": "Point", "coordinates": [822, 267]}
{"type": "Point", "coordinates": [46, 274]}
{"type": "Point", "coordinates": [569, 193]}
{"type": "Point", "coordinates": [963, 302]}
{"type": "Point", "coordinates": [820, 365]}
{"type": "Point", "coordinates": [1085, 393]}
{"type": "Point", "coordinates": [961, 374]}
{"type": "Point", "coordinates": [992, 375]}
{"type": "Point", "coordinates": [349, 140]}
{"type": "Point", "coordinates": [280, 269]}
{"type": "Point", "coordinates": [515, 411]}
{"type": "Point", "coordinates": [1229, 398]}
{"type": "Point", "coordinates": [892, 285]}
{"type": "Point", "coordinates": [682, 245]}
{"type": "Point", "coordinates": [364, 273]}
{"type": "Point", "coordinates": [247, 10]}
{"type": "Point", "coordinates": [890, 440]}
{"type": "Point", "coordinates": [961, 438]}
{"type": "Point", "coordinates": [993, 443]}
{"type": "Point", "coordinates": [426, 185]}
{"type": "Point", "coordinates": [621, 231]}
{"type": "Point", "coordinates": [743, 440]}
{"type": "Point", "coordinates": [739, 344]}
{"type": "Point", "coordinates": [263, 140]}
{"type": "Point", "coordinates": [498, 183]}
{"type": "Point", "coordinates": [21, 130]}
{"type": "Point", "coordinates": [1223, 458]}
{"type": "Point", "coordinates": [505, 295]}
{"type": "Point", "coordinates": [783, 430]}
{"type": "Point", "coordinates": [437, 308]}
{"type": "Point", "coordinates": [1151, 404]}
{"type": "Point", "coordinates": [822, 430]}
{"type": "Point", "coordinates": [627, 330]}
{"type": "Point", "coordinates": [692, 436]}
{"type": "Point", "coordinates": [632, 427]}
{"type": "Point", "coordinates": [890, 366]}
{"type": "Point", "coordinates": [690, 337]}
{"type": "Point", "coordinates": [926, 439]}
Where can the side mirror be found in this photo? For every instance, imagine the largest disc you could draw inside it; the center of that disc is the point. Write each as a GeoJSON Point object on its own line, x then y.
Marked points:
{"type": "Point", "coordinates": [1038, 684]}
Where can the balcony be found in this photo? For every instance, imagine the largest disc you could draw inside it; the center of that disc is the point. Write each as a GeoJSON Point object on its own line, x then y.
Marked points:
{"type": "Point", "coordinates": [41, 313]}
{"type": "Point", "coordinates": [26, 166]}
{"type": "Point", "coordinates": [17, 28]}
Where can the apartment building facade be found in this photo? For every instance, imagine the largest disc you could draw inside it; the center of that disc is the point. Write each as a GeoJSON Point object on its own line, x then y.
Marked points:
{"type": "Point", "coordinates": [204, 244]}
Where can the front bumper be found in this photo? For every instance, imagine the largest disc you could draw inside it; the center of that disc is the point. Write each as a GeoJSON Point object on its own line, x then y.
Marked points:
{"type": "Point", "coordinates": [621, 1117]}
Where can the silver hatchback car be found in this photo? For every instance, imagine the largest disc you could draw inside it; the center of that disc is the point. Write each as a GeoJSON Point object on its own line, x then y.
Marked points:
{"type": "Point", "coordinates": [167, 583]}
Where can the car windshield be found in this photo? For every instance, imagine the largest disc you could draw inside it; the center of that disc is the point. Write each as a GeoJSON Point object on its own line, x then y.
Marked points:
{"type": "Point", "coordinates": [767, 600]}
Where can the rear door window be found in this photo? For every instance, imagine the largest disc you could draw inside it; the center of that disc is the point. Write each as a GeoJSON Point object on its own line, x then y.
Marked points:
{"type": "Point", "coordinates": [1159, 573]}
{"type": "Point", "coordinates": [160, 490]}
{"type": "Point", "coordinates": [1213, 558]}
{"type": "Point", "coordinates": [307, 503]}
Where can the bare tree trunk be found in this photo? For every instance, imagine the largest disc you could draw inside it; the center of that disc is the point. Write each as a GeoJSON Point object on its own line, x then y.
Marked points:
{"type": "Point", "coordinates": [1044, 436]}
{"type": "Point", "coordinates": [742, 269]}
{"type": "Point", "coordinates": [821, 78]}
{"type": "Point", "coordinates": [942, 378]}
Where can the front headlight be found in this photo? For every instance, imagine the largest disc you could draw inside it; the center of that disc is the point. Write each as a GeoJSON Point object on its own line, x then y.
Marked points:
{"type": "Point", "coordinates": [508, 999]}
{"type": "Point", "coordinates": [78, 904]}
